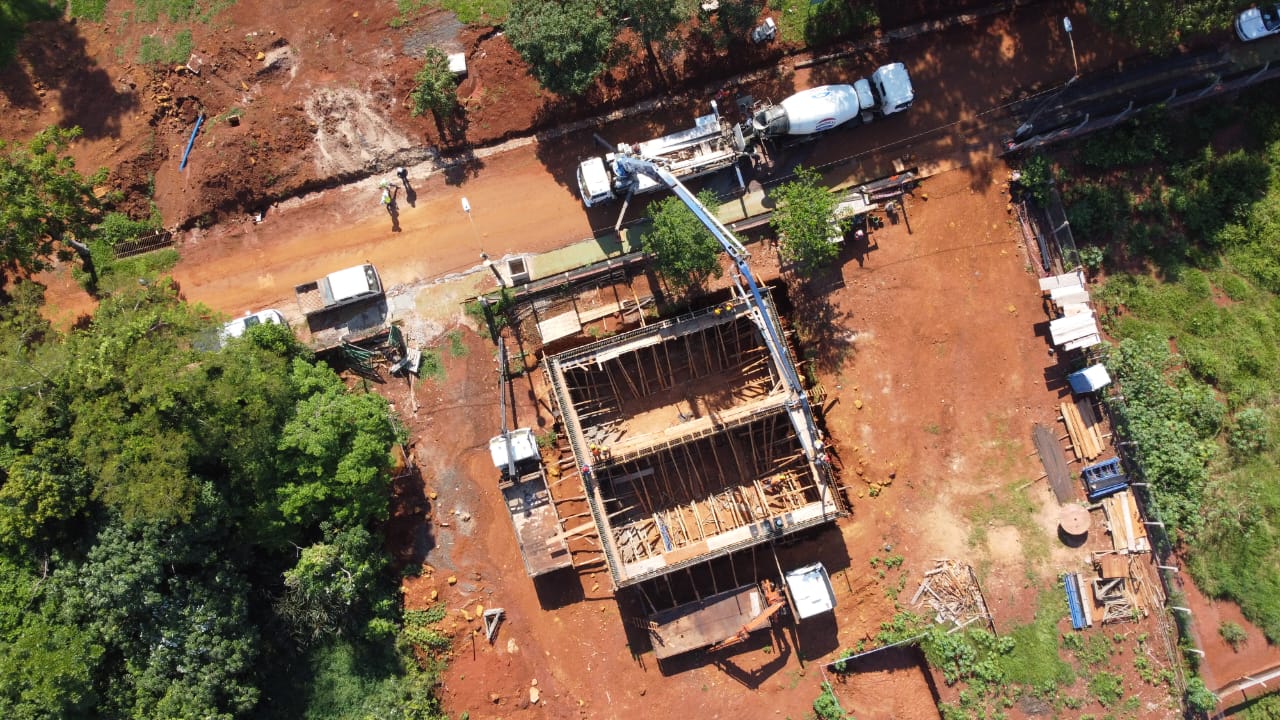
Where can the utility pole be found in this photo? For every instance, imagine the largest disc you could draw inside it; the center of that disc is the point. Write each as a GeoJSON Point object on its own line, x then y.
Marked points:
{"type": "Point", "coordinates": [1066, 25]}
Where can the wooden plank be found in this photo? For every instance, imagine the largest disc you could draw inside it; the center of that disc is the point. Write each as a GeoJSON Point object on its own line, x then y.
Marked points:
{"type": "Point", "coordinates": [1074, 431]}
{"type": "Point", "coordinates": [1084, 409]}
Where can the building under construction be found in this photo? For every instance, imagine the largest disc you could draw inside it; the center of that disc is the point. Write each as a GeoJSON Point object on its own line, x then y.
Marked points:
{"type": "Point", "coordinates": [691, 440]}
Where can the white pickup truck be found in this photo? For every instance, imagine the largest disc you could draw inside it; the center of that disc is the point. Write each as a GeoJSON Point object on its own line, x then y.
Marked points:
{"type": "Point", "coordinates": [339, 288]}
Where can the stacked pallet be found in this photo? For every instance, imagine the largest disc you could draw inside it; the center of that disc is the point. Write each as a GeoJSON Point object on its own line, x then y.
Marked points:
{"type": "Point", "coordinates": [1084, 429]}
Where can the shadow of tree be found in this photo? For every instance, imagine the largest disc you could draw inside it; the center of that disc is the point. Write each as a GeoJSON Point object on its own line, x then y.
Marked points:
{"type": "Point", "coordinates": [823, 329]}
{"type": "Point", "coordinates": [56, 56]}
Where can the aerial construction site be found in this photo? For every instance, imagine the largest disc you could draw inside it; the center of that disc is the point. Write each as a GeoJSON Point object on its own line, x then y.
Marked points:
{"type": "Point", "coordinates": [690, 443]}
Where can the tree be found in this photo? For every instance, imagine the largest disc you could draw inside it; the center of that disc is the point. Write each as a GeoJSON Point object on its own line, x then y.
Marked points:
{"type": "Point", "coordinates": [803, 221]}
{"type": "Point", "coordinates": [336, 453]}
{"type": "Point", "coordinates": [685, 252]}
{"type": "Point", "coordinates": [329, 582]}
{"type": "Point", "coordinates": [564, 43]}
{"type": "Point", "coordinates": [1158, 25]}
{"type": "Point", "coordinates": [434, 87]}
{"type": "Point", "coordinates": [45, 203]}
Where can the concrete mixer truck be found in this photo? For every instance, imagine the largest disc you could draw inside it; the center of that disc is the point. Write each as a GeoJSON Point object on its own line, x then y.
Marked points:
{"type": "Point", "coordinates": [819, 109]}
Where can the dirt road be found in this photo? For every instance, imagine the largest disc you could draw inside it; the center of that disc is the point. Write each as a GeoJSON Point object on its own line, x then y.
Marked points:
{"type": "Point", "coordinates": [524, 200]}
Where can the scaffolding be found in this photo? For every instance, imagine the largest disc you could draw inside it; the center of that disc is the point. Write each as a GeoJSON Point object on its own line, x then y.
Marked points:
{"type": "Point", "coordinates": [685, 437]}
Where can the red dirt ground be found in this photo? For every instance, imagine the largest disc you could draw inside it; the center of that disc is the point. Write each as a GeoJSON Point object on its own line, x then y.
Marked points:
{"type": "Point", "coordinates": [936, 333]}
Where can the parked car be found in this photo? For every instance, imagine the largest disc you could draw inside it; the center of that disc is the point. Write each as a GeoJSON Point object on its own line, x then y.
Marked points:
{"type": "Point", "coordinates": [1258, 22]}
{"type": "Point", "coordinates": [237, 327]}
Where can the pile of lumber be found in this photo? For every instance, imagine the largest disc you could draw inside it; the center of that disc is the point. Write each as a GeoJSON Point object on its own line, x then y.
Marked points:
{"type": "Point", "coordinates": [951, 591]}
{"type": "Point", "coordinates": [1128, 534]}
{"type": "Point", "coordinates": [1084, 429]}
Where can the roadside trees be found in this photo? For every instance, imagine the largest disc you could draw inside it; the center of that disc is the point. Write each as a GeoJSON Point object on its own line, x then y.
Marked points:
{"type": "Point", "coordinates": [684, 251]}
{"type": "Point", "coordinates": [803, 221]}
{"type": "Point", "coordinates": [564, 43]}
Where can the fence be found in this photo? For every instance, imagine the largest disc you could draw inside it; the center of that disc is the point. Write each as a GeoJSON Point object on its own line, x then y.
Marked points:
{"type": "Point", "coordinates": [145, 244]}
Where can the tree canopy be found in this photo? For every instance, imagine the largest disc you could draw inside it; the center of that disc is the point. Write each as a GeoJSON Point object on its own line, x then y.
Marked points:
{"type": "Point", "coordinates": [803, 221]}
{"type": "Point", "coordinates": [564, 43]}
{"type": "Point", "coordinates": [180, 530]}
{"type": "Point", "coordinates": [46, 206]}
{"type": "Point", "coordinates": [1160, 25]}
{"type": "Point", "coordinates": [684, 251]}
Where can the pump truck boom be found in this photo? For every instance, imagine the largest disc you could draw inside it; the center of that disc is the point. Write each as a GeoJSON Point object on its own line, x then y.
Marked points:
{"type": "Point", "coordinates": [798, 407]}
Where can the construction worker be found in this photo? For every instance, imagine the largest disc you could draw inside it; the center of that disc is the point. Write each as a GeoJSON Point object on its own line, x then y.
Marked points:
{"type": "Point", "coordinates": [595, 452]}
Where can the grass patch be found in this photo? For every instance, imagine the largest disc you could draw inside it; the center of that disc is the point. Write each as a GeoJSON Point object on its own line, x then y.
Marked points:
{"type": "Point", "coordinates": [407, 10]}
{"type": "Point", "coordinates": [457, 348]}
{"type": "Point", "coordinates": [807, 23]}
{"type": "Point", "coordinates": [478, 12]}
{"type": "Point", "coordinates": [153, 49]}
{"type": "Point", "coordinates": [1034, 660]}
{"type": "Point", "coordinates": [93, 10]}
{"type": "Point", "coordinates": [14, 16]}
{"type": "Point", "coordinates": [1015, 509]}
{"type": "Point", "coordinates": [431, 366]}
{"type": "Point", "coordinates": [1107, 688]}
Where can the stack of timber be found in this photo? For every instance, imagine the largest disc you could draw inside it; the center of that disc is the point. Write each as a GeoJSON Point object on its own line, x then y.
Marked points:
{"type": "Point", "coordinates": [1084, 429]}
{"type": "Point", "coordinates": [1128, 533]}
{"type": "Point", "coordinates": [951, 591]}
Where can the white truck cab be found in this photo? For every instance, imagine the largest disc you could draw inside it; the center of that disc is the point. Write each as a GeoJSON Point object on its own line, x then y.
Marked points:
{"type": "Point", "coordinates": [594, 183]}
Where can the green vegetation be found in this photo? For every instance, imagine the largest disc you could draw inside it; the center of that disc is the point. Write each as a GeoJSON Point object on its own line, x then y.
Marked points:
{"type": "Point", "coordinates": [827, 706]}
{"type": "Point", "coordinates": [154, 49]}
{"type": "Point", "coordinates": [1266, 707]}
{"type": "Point", "coordinates": [564, 43]}
{"type": "Point", "coordinates": [1233, 634]}
{"type": "Point", "coordinates": [1034, 661]}
{"type": "Point", "coordinates": [1203, 409]}
{"type": "Point", "coordinates": [434, 88]}
{"type": "Point", "coordinates": [1161, 26]}
{"type": "Point", "coordinates": [823, 22]}
{"type": "Point", "coordinates": [477, 12]}
{"type": "Point", "coordinates": [731, 23]}
{"type": "Point", "coordinates": [47, 208]}
{"type": "Point", "coordinates": [201, 528]}
{"type": "Point", "coordinates": [14, 16]}
{"type": "Point", "coordinates": [94, 10]}
{"type": "Point", "coordinates": [683, 250]}
{"type": "Point", "coordinates": [1199, 698]}
{"type": "Point", "coordinates": [457, 347]}
{"type": "Point", "coordinates": [803, 222]}
{"type": "Point", "coordinates": [1107, 688]}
